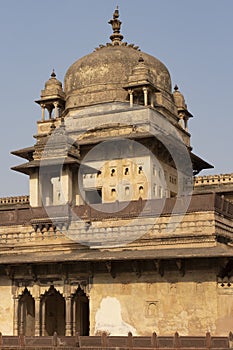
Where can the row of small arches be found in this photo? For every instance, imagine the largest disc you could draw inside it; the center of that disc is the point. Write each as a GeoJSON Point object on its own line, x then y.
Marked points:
{"type": "Point", "coordinates": [127, 191]}
{"type": "Point", "coordinates": [126, 171]}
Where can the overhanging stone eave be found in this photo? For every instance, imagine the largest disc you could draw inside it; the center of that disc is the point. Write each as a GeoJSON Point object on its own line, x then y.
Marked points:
{"type": "Point", "coordinates": [50, 98]}
{"type": "Point", "coordinates": [28, 168]}
{"type": "Point", "coordinates": [218, 251]}
{"type": "Point", "coordinates": [199, 163]}
{"type": "Point", "coordinates": [24, 152]}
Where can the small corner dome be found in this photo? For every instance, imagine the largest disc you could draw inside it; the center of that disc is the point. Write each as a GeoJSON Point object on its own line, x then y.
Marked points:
{"type": "Point", "coordinates": [52, 86]}
{"type": "Point", "coordinates": [179, 98]}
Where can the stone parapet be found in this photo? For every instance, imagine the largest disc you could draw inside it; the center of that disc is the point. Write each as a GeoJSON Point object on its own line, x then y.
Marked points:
{"type": "Point", "coordinates": [213, 179]}
{"type": "Point", "coordinates": [120, 210]}
{"type": "Point", "coordinates": [104, 341]}
{"type": "Point", "coordinates": [14, 200]}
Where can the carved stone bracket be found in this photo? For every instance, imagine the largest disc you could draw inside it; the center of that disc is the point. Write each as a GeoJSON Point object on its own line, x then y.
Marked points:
{"type": "Point", "coordinates": [110, 268]}
{"type": "Point", "coordinates": [44, 225]}
{"type": "Point", "coordinates": [180, 266]}
{"type": "Point", "coordinates": [159, 266]}
{"type": "Point", "coordinates": [137, 268]}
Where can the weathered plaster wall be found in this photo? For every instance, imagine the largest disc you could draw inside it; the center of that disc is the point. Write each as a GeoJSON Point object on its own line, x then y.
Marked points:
{"type": "Point", "coordinates": [192, 304]}
{"type": "Point", "coordinates": [6, 307]}
{"type": "Point", "coordinates": [225, 309]}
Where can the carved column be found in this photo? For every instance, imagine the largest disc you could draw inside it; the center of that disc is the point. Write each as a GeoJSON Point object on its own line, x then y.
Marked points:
{"type": "Point", "coordinates": [74, 317]}
{"type": "Point", "coordinates": [67, 296]}
{"type": "Point", "coordinates": [16, 312]}
{"type": "Point", "coordinates": [43, 318]}
{"type": "Point", "coordinates": [21, 324]}
{"type": "Point", "coordinates": [130, 97]}
{"type": "Point", "coordinates": [152, 100]}
{"type": "Point", "coordinates": [145, 91]}
{"type": "Point", "coordinates": [36, 294]}
{"type": "Point", "coordinates": [68, 316]}
{"type": "Point", "coordinates": [56, 110]}
{"type": "Point", "coordinates": [181, 121]}
{"type": "Point", "coordinates": [43, 112]}
{"type": "Point", "coordinates": [37, 316]}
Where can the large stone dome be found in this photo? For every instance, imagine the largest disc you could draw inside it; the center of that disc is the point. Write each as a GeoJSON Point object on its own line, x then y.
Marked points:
{"type": "Point", "coordinates": [101, 76]}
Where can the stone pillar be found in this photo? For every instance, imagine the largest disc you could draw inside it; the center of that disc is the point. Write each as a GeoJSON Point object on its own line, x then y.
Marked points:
{"type": "Point", "coordinates": [68, 316]}
{"type": "Point", "coordinates": [21, 324]}
{"type": "Point", "coordinates": [74, 317]}
{"type": "Point", "coordinates": [43, 112]}
{"type": "Point", "coordinates": [145, 91]}
{"type": "Point", "coordinates": [37, 316]}
{"type": "Point", "coordinates": [15, 319]}
{"type": "Point", "coordinates": [181, 121]}
{"type": "Point", "coordinates": [43, 318]}
{"type": "Point", "coordinates": [130, 97]}
{"type": "Point", "coordinates": [66, 185]}
{"type": "Point", "coordinates": [35, 195]}
{"type": "Point", "coordinates": [152, 100]}
{"type": "Point", "coordinates": [56, 110]}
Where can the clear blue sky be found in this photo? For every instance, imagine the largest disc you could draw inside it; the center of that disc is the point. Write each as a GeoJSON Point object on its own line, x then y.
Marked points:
{"type": "Point", "coordinates": [194, 39]}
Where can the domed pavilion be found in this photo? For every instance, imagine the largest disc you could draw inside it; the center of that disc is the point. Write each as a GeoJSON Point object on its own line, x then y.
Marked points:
{"type": "Point", "coordinates": [114, 237]}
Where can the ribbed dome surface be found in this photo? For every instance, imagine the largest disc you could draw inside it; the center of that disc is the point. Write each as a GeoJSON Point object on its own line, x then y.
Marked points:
{"type": "Point", "coordinates": [100, 76]}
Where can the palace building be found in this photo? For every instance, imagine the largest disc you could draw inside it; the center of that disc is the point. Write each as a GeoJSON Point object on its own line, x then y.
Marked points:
{"type": "Point", "coordinates": [119, 232]}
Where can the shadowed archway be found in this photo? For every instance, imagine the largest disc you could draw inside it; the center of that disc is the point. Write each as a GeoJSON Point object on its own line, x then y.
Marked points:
{"type": "Point", "coordinates": [80, 303]}
{"type": "Point", "coordinates": [53, 313]}
{"type": "Point", "coordinates": [26, 314]}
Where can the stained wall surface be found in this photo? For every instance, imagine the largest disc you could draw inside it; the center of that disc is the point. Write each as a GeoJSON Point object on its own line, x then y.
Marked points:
{"type": "Point", "coordinates": [192, 304]}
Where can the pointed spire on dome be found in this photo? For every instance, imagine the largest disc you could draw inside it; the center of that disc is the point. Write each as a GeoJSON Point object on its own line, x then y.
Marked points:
{"type": "Point", "coordinates": [53, 74]}
{"type": "Point", "coordinates": [53, 83]}
{"type": "Point", "coordinates": [116, 37]}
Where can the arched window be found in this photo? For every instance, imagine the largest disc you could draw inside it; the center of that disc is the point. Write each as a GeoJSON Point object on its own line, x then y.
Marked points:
{"type": "Point", "coordinates": [113, 192]}
{"type": "Point", "coordinates": [140, 171]}
{"type": "Point", "coordinates": [127, 191]}
{"type": "Point", "coordinates": [113, 172]}
{"type": "Point", "coordinates": [141, 190]}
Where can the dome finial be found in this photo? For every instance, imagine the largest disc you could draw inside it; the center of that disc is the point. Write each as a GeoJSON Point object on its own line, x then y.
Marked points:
{"type": "Point", "coordinates": [116, 37]}
{"type": "Point", "coordinates": [53, 74]}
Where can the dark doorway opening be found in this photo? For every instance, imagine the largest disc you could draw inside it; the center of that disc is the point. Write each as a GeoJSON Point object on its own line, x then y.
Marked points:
{"type": "Point", "coordinates": [54, 312]}
{"type": "Point", "coordinates": [26, 314]}
{"type": "Point", "coordinates": [81, 312]}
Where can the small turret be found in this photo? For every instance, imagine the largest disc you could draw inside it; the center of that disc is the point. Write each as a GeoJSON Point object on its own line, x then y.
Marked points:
{"type": "Point", "coordinates": [140, 85]}
{"type": "Point", "coordinates": [179, 98]}
{"type": "Point", "coordinates": [52, 97]}
{"type": "Point", "coordinates": [181, 106]}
